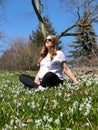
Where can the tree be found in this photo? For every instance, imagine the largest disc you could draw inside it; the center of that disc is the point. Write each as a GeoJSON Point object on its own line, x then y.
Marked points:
{"type": "Point", "coordinates": [85, 46]}
{"type": "Point", "coordinates": [90, 5]}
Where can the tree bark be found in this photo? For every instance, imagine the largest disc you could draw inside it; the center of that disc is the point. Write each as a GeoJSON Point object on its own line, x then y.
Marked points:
{"type": "Point", "coordinates": [40, 19]}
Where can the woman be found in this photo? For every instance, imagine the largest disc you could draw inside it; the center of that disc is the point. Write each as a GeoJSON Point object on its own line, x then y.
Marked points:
{"type": "Point", "coordinates": [52, 63]}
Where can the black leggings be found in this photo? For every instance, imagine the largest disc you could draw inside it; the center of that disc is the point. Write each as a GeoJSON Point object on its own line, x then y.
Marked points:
{"type": "Point", "coordinates": [50, 79]}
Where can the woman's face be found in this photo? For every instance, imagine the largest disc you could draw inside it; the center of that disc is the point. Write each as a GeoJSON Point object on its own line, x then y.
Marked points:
{"type": "Point", "coordinates": [49, 42]}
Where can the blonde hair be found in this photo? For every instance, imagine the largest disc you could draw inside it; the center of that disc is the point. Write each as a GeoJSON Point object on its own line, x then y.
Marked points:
{"type": "Point", "coordinates": [44, 50]}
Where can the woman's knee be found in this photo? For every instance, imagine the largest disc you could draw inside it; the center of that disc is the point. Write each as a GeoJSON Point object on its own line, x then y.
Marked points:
{"type": "Point", "coordinates": [49, 74]}
{"type": "Point", "coordinates": [22, 77]}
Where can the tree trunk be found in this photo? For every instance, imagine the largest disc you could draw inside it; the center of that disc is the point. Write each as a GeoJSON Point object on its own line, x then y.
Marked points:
{"type": "Point", "coordinates": [41, 23]}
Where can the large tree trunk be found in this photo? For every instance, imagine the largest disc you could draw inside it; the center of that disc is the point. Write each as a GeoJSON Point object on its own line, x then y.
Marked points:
{"type": "Point", "coordinates": [38, 13]}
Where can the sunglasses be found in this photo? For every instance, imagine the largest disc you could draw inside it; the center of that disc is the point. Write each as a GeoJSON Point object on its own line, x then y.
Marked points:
{"type": "Point", "coordinates": [49, 40]}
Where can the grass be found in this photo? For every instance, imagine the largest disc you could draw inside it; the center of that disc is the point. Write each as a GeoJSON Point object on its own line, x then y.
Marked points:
{"type": "Point", "coordinates": [66, 107]}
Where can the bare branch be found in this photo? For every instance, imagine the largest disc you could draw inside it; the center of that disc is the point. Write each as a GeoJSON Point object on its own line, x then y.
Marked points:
{"type": "Point", "coordinates": [89, 11]}
{"type": "Point", "coordinates": [72, 34]}
{"type": "Point", "coordinates": [64, 32]}
{"type": "Point", "coordinates": [78, 15]}
{"type": "Point", "coordinates": [94, 19]}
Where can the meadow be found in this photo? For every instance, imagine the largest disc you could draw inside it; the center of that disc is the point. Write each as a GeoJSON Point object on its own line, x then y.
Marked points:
{"type": "Point", "coordinates": [66, 107]}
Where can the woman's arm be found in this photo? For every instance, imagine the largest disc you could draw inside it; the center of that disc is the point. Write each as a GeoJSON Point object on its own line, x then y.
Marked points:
{"type": "Point", "coordinates": [69, 72]}
{"type": "Point", "coordinates": [37, 81]}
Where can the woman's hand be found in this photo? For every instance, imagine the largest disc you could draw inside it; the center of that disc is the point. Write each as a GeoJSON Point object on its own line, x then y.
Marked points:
{"type": "Point", "coordinates": [37, 81]}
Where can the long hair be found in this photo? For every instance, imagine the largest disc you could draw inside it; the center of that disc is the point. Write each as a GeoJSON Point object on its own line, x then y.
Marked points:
{"type": "Point", "coordinates": [44, 50]}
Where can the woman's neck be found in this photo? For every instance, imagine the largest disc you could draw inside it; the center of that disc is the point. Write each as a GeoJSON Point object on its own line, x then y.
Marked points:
{"type": "Point", "coordinates": [48, 54]}
{"type": "Point", "coordinates": [49, 50]}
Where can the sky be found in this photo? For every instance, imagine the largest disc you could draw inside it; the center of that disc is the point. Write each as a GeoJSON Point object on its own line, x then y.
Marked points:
{"type": "Point", "coordinates": [20, 20]}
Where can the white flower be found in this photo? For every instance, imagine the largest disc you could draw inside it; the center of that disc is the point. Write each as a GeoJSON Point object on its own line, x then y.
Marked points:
{"type": "Point", "coordinates": [23, 124]}
{"type": "Point", "coordinates": [59, 94]}
{"type": "Point", "coordinates": [81, 107]}
{"type": "Point", "coordinates": [55, 103]}
{"type": "Point", "coordinates": [15, 127]}
{"type": "Point", "coordinates": [87, 124]}
{"type": "Point", "coordinates": [28, 104]}
{"type": "Point", "coordinates": [33, 105]}
{"type": "Point", "coordinates": [17, 121]}
{"type": "Point", "coordinates": [38, 122]}
{"type": "Point", "coordinates": [75, 104]}
{"type": "Point", "coordinates": [50, 119]}
{"type": "Point", "coordinates": [61, 114]}
{"type": "Point", "coordinates": [11, 122]}
{"type": "Point", "coordinates": [70, 110]}
{"type": "Point", "coordinates": [68, 129]}
{"type": "Point", "coordinates": [57, 121]}
{"type": "Point", "coordinates": [45, 117]}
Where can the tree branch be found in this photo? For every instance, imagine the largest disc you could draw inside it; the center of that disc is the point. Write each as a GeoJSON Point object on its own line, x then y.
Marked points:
{"type": "Point", "coordinates": [78, 15]}
{"type": "Point", "coordinates": [65, 32]}
{"type": "Point", "coordinates": [93, 19]}
{"type": "Point", "coordinates": [72, 34]}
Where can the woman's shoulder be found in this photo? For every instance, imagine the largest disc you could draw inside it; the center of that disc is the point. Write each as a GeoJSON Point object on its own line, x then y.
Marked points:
{"type": "Point", "coordinates": [61, 55]}
{"type": "Point", "coordinates": [60, 52]}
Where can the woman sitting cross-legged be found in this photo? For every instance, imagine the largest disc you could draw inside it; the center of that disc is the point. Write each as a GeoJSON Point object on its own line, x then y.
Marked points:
{"type": "Point", "coordinates": [52, 63]}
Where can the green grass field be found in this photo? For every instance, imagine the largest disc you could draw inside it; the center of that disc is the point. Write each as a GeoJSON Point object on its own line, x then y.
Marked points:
{"type": "Point", "coordinates": [66, 107]}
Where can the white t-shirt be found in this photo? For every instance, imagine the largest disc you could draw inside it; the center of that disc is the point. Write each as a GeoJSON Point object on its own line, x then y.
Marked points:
{"type": "Point", "coordinates": [48, 65]}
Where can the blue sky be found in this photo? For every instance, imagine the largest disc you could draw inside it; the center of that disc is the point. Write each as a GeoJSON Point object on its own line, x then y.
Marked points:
{"type": "Point", "coordinates": [21, 20]}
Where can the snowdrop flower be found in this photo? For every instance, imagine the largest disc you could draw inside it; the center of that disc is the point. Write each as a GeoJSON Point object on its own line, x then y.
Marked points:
{"type": "Point", "coordinates": [75, 104]}
{"type": "Point", "coordinates": [28, 104]}
{"type": "Point", "coordinates": [18, 104]}
{"type": "Point", "coordinates": [11, 122]}
{"type": "Point", "coordinates": [70, 110]}
{"type": "Point", "coordinates": [7, 127]}
{"type": "Point", "coordinates": [38, 122]}
{"type": "Point", "coordinates": [88, 83]}
{"type": "Point", "coordinates": [87, 124]}
{"type": "Point", "coordinates": [68, 129]}
{"type": "Point", "coordinates": [68, 99]}
{"type": "Point", "coordinates": [15, 127]}
{"type": "Point", "coordinates": [33, 105]}
{"type": "Point", "coordinates": [61, 114]}
{"type": "Point", "coordinates": [23, 124]}
{"type": "Point", "coordinates": [45, 117]}
{"type": "Point", "coordinates": [57, 121]}
{"type": "Point", "coordinates": [47, 101]}
{"type": "Point", "coordinates": [50, 119]}
{"type": "Point", "coordinates": [17, 121]}
{"type": "Point", "coordinates": [59, 94]}
{"type": "Point", "coordinates": [88, 108]}
{"type": "Point", "coordinates": [86, 113]}
{"type": "Point", "coordinates": [23, 110]}
{"type": "Point", "coordinates": [81, 107]}
{"type": "Point", "coordinates": [55, 103]}
{"type": "Point", "coordinates": [15, 101]}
